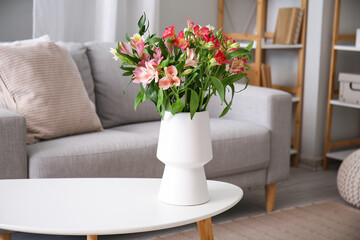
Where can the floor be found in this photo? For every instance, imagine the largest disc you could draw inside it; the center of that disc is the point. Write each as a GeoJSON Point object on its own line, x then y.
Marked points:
{"type": "Point", "coordinates": [303, 187]}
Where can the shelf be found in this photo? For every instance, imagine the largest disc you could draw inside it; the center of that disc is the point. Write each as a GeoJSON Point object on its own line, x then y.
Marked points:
{"type": "Point", "coordinates": [295, 99]}
{"type": "Point", "coordinates": [340, 155]}
{"type": "Point", "coordinates": [281, 46]}
{"type": "Point", "coordinates": [272, 46]}
{"type": "Point", "coordinates": [346, 48]}
{"type": "Point", "coordinates": [344, 104]}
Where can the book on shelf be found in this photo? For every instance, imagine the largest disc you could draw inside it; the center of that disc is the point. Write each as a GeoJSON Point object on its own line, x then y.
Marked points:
{"type": "Point", "coordinates": [288, 25]}
{"type": "Point", "coordinates": [266, 76]}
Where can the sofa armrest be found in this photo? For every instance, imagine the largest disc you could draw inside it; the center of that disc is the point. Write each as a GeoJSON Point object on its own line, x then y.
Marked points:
{"type": "Point", "coordinates": [13, 157]}
{"type": "Point", "coordinates": [269, 108]}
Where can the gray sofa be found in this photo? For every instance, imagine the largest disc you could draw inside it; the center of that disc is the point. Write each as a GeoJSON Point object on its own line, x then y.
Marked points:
{"type": "Point", "coordinates": [250, 144]}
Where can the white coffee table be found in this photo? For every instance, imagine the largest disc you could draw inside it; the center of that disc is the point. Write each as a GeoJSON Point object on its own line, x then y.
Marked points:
{"type": "Point", "coordinates": [94, 207]}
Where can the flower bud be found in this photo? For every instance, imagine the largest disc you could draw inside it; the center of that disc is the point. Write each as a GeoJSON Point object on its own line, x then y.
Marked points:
{"type": "Point", "coordinates": [235, 45]}
{"type": "Point", "coordinates": [187, 71]}
{"type": "Point", "coordinates": [209, 45]}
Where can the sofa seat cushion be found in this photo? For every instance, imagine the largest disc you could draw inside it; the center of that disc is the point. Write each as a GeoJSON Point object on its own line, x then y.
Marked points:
{"type": "Point", "coordinates": [130, 151]}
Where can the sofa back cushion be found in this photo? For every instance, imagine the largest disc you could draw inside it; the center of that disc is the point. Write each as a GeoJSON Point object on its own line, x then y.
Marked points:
{"type": "Point", "coordinates": [113, 106]}
{"type": "Point", "coordinates": [78, 53]}
{"type": "Point", "coordinates": [40, 81]}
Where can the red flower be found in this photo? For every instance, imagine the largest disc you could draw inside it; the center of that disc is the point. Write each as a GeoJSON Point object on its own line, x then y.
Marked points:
{"type": "Point", "coordinates": [220, 57]}
{"type": "Point", "coordinates": [169, 32]}
{"type": "Point", "coordinates": [213, 40]}
{"type": "Point", "coordinates": [201, 32]}
{"type": "Point", "coordinates": [181, 42]}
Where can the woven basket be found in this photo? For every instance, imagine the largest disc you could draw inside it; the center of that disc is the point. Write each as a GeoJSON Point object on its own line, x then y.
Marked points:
{"type": "Point", "coordinates": [348, 179]}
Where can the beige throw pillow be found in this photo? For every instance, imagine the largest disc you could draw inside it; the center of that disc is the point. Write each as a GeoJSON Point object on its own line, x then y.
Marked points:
{"type": "Point", "coordinates": [39, 80]}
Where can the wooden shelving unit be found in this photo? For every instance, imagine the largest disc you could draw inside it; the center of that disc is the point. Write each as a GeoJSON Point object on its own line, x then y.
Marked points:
{"type": "Point", "coordinates": [260, 46]}
{"type": "Point", "coordinates": [330, 145]}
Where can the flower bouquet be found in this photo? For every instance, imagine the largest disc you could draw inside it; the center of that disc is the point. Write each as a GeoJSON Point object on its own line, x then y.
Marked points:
{"type": "Point", "coordinates": [181, 72]}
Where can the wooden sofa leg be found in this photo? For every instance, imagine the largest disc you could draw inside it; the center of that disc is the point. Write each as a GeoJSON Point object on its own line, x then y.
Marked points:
{"type": "Point", "coordinates": [270, 192]}
{"type": "Point", "coordinates": [6, 236]}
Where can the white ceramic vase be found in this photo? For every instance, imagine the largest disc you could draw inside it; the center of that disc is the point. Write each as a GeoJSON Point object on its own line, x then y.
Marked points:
{"type": "Point", "coordinates": [185, 147]}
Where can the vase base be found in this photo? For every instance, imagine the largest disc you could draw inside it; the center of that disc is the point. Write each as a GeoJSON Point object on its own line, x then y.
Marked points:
{"type": "Point", "coordinates": [184, 186]}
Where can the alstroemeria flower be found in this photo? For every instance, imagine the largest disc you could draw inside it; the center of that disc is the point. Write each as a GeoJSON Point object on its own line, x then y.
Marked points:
{"type": "Point", "coordinates": [123, 48]}
{"type": "Point", "coordinates": [220, 57]}
{"type": "Point", "coordinates": [170, 78]}
{"type": "Point", "coordinates": [190, 25]}
{"type": "Point", "coordinates": [114, 52]}
{"type": "Point", "coordinates": [169, 32]}
{"type": "Point", "coordinates": [157, 57]}
{"type": "Point", "coordinates": [138, 47]}
{"type": "Point", "coordinates": [237, 65]}
{"type": "Point", "coordinates": [136, 38]}
{"type": "Point", "coordinates": [180, 41]}
{"type": "Point", "coordinates": [229, 41]}
{"type": "Point", "coordinates": [201, 32]}
{"type": "Point", "coordinates": [145, 58]}
{"type": "Point", "coordinates": [212, 39]}
{"type": "Point", "coordinates": [145, 75]}
{"type": "Point", "coordinates": [191, 58]}
{"type": "Point", "coordinates": [169, 47]}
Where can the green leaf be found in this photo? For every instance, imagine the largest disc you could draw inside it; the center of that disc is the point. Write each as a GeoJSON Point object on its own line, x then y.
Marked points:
{"type": "Point", "coordinates": [228, 105]}
{"type": "Point", "coordinates": [219, 87]}
{"type": "Point", "coordinates": [163, 48]}
{"type": "Point", "coordinates": [180, 66]}
{"type": "Point", "coordinates": [127, 74]}
{"type": "Point", "coordinates": [177, 107]}
{"type": "Point", "coordinates": [194, 103]}
{"type": "Point", "coordinates": [133, 59]}
{"type": "Point", "coordinates": [164, 63]}
{"type": "Point", "coordinates": [130, 69]}
{"type": "Point", "coordinates": [151, 92]}
{"type": "Point", "coordinates": [159, 103]}
{"type": "Point", "coordinates": [127, 37]}
{"type": "Point", "coordinates": [249, 47]}
{"type": "Point", "coordinates": [221, 69]}
{"type": "Point", "coordinates": [233, 78]}
{"type": "Point", "coordinates": [153, 40]}
{"type": "Point", "coordinates": [236, 53]}
{"type": "Point", "coordinates": [141, 21]}
{"type": "Point", "coordinates": [139, 98]}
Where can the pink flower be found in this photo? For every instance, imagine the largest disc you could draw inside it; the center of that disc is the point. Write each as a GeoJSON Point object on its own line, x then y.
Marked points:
{"type": "Point", "coordinates": [123, 48]}
{"type": "Point", "coordinates": [145, 58]}
{"type": "Point", "coordinates": [169, 32]}
{"type": "Point", "coordinates": [169, 47]}
{"type": "Point", "coordinates": [170, 78]}
{"type": "Point", "coordinates": [201, 32]}
{"type": "Point", "coordinates": [145, 74]}
{"type": "Point", "coordinates": [190, 24]}
{"type": "Point", "coordinates": [180, 41]}
{"type": "Point", "coordinates": [191, 58]}
{"type": "Point", "coordinates": [157, 57]}
{"type": "Point", "coordinates": [237, 65]}
{"type": "Point", "coordinates": [220, 57]}
{"type": "Point", "coordinates": [138, 46]}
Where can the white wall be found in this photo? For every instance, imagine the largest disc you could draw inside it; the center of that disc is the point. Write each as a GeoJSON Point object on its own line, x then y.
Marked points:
{"type": "Point", "coordinates": [15, 20]}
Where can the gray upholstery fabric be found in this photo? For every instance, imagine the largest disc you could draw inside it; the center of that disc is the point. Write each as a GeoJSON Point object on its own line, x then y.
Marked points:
{"type": "Point", "coordinates": [130, 151]}
{"type": "Point", "coordinates": [113, 106]}
{"type": "Point", "coordinates": [246, 180]}
{"type": "Point", "coordinates": [13, 162]}
{"type": "Point", "coordinates": [269, 108]}
{"type": "Point", "coordinates": [78, 53]}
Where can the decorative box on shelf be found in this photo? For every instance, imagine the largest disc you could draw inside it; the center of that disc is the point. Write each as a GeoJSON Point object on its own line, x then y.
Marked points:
{"type": "Point", "coordinates": [349, 88]}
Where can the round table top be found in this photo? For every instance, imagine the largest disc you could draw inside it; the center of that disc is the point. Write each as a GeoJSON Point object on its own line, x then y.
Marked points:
{"type": "Point", "coordinates": [101, 206]}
